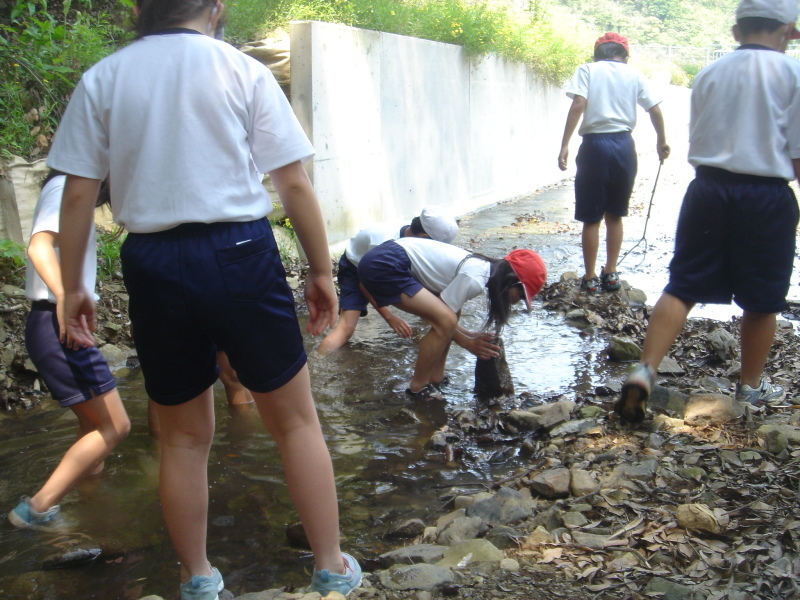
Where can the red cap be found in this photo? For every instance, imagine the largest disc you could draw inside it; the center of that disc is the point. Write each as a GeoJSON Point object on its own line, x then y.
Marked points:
{"type": "Point", "coordinates": [612, 37]}
{"type": "Point", "coordinates": [530, 269]}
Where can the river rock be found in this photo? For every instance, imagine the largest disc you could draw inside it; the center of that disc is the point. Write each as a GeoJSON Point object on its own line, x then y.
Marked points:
{"type": "Point", "coordinates": [543, 416]}
{"type": "Point", "coordinates": [493, 377]}
{"type": "Point", "coordinates": [473, 551]}
{"type": "Point", "coordinates": [633, 297]}
{"type": "Point", "coordinates": [579, 426]}
{"type": "Point", "coordinates": [505, 507]}
{"type": "Point", "coordinates": [776, 441]}
{"type": "Point", "coordinates": [115, 355]}
{"type": "Point", "coordinates": [670, 366]}
{"type": "Point", "coordinates": [666, 589]}
{"type": "Point", "coordinates": [539, 536]}
{"type": "Point", "coordinates": [722, 343]}
{"type": "Point", "coordinates": [623, 349]}
{"type": "Point", "coordinates": [697, 517]}
{"type": "Point", "coordinates": [552, 484]}
{"type": "Point", "coordinates": [409, 530]}
{"type": "Point", "coordinates": [791, 432]}
{"type": "Point", "coordinates": [711, 409]}
{"type": "Point", "coordinates": [590, 540]}
{"type": "Point", "coordinates": [582, 482]}
{"type": "Point", "coordinates": [460, 530]}
{"type": "Point", "coordinates": [411, 555]}
{"type": "Point", "coordinates": [503, 537]}
{"type": "Point", "coordinates": [415, 577]}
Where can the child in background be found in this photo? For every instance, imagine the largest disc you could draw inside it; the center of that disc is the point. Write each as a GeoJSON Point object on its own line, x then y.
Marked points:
{"type": "Point", "coordinates": [737, 225]}
{"type": "Point", "coordinates": [605, 93]}
{"type": "Point", "coordinates": [183, 124]}
{"type": "Point", "coordinates": [433, 281]}
{"type": "Point", "coordinates": [352, 303]}
{"type": "Point", "coordinates": [79, 379]}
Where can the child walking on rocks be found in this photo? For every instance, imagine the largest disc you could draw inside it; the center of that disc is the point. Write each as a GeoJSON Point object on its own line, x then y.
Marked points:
{"type": "Point", "coordinates": [737, 225]}
{"type": "Point", "coordinates": [79, 378]}
{"type": "Point", "coordinates": [605, 93]}
{"type": "Point", "coordinates": [433, 281]}
{"type": "Point", "coordinates": [183, 124]}
{"type": "Point", "coordinates": [352, 303]}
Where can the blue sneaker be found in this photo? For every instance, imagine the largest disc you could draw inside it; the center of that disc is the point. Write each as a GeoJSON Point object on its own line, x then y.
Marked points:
{"type": "Point", "coordinates": [324, 581]}
{"type": "Point", "coordinates": [24, 517]}
{"type": "Point", "coordinates": [200, 587]}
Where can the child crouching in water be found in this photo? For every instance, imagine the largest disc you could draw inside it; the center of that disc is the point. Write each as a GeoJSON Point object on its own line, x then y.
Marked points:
{"type": "Point", "coordinates": [433, 281]}
{"type": "Point", "coordinates": [78, 379]}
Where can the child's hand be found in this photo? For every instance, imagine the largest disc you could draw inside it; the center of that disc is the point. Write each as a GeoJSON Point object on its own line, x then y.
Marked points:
{"type": "Point", "coordinates": [77, 320]}
{"type": "Point", "coordinates": [562, 158]}
{"type": "Point", "coordinates": [481, 345]}
{"type": "Point", "coordinates": [323, 305]}
{"type": "Point", "coordinates": [400, 327]}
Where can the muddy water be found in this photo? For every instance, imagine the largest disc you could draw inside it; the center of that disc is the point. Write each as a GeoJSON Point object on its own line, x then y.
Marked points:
{"type": "Point", "coordinates": [377, 436]}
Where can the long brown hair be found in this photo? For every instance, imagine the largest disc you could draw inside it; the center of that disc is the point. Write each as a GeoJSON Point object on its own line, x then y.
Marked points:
{"type": "Point", "coordinates": [502, 279]}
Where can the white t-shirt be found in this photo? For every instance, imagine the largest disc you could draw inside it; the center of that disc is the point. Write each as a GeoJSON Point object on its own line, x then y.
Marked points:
{"type": "Point", "coordinates": [746, 114]}
{"type": "Point", "coordinates": [45, 218]}
{"type": "Point", "coordinates": [612, 90]}
{"type": "Point", "coordinates": [369, 238]}
{"type": "Point", "coordinates": [182, 124]}
{"type": "Point", "coordinates": [435, 264]}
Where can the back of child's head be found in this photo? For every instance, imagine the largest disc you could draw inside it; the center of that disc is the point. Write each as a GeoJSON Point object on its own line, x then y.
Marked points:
{"type": "Point", "coordinates": [161, 14]}
{"type": "Point", "coordinates": [523, 269]}
{"type": "Point", "coordinates": [437, 225]}
{"type": "Point", "coordinates": [416, 227]}
{"type": "Point", "coordinates": [611, 46]}
{"type": "Point", "coordinates": [766, 16]}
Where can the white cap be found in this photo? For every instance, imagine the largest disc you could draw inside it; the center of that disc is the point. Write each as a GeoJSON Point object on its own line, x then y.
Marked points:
{"type": "Point", "coordinates": [783, 11]}
{"type": "Point", "coordinates": [438, 226]}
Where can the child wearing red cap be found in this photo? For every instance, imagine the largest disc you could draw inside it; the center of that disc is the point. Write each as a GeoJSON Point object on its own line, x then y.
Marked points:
{"type": "Point", "coordinates": [433, 281]}
{"type": "Point", "coordinates": [737, 227]}
{"type": "Point", "coordinates": [605, 93]}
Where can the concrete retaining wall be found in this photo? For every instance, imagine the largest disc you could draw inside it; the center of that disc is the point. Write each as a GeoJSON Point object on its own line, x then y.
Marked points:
{"type": "Point", "coordinates": [399, 123]}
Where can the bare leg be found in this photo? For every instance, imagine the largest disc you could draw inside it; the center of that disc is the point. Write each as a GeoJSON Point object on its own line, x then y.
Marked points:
{"type": "Point", "coordinates": [590, 242]}
{"type": "Point", "coordinates": [341, 334]}
{"type": "Point", "coordinates": [290, 416]}
{"type": "Point", "coordinates": [85, 426]}
{"type": "Point", "coordinates": [110, 426]}
{"type": "Point", "coordinates": [758, 333]}
{"type": "Point", "coordinates": [187, 431]}
{"type": "Point", "coordinates": [434, 345]}
{"type": "Point", "coordinates": [236, 393]}
{"type": "Point", "coordinates": [666, 322]}
{"type": "Point", "coordinates": [613, 241]}
{"type": "Point", "coordinates": [152, 419]}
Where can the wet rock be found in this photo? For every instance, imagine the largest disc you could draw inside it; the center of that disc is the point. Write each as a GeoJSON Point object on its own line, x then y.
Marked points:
{"type": "Point", "coordinates": [722, 343]}
{"type": "Point", "coordinates": [493, 377]}
{"type": "Point", "coordinates": [711, 409]}
{"type": "Point", "coordinates": [569, 276]}
{"type": "Point", "coordinates": [578, 426]}
{"type": "Point", "coordinates": [550, 519]}
{"type": "Point", "coordinates": [552, 484]}
{"type": "Point", "coordinates": [583, 318]}
{"type": "Point", "coordinates": [670, 366]}
{"type": "Point", "coordinates": [409, 530]}
{"type": "Point", "coordinates": [460, 530]}
{"type": "Point", "coordinates": [415, 577]}
{"type": "Point", "coordinates": [224, 521]}
{"type": "Point", "coordinates": [411, 555]}
{"type": "Point", "coordinates": [473, 551]}
{"type": "Point", "coordinates": [633, 297]}
{"type": "Point", "coordinates": [445, 520]}
{"type": "Point", "coordinates": [610, 388]}
{"type": "Point", "coordinates": [296, 535]}
{"type": "Point", "coordinates": [503, 537]}
{"type": "Point", "coordinates": [623, 349]}
{"type": "Point", "coordinates": [71, 558]}
{"type": "Point", "coordinates": [591, 412]}
{"type": "Point", "coordinates": [544, 416]}
{"type": "Point", "coordinates": [505, 507]}
{"type": "Point", "coordinates": [697, 517]}
{"type": "Point", "coordinates": [582, 483]}
{"type": "Point", "coordinates": [115, 355]}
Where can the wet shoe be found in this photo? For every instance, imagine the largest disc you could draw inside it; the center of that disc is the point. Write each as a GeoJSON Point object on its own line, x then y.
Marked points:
{"type": "Point", "coordinates": [200, 587]}
{"type": "Point", "coordinates": [24, 517]}
{"type": "Point", "coordinates": [443, 383]}
{"type": "Point", "coordinates": [765, 394]}
{"type": "Point", "coordinates": [323, 582]}
{"type": "Point", "coordinates": [610, 281]}
{"type": "Point", "coordinates": [590, 286]}
{"type": "Point", "coordinates": [632, 403]}
{"type": "Point", "coordinates": [429, 392]}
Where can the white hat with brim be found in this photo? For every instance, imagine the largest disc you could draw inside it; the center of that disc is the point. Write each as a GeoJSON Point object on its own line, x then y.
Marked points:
{"type": "Point", "coordinates": [783, 11]}
{"type": "Point", "coordinates": [438, 226]}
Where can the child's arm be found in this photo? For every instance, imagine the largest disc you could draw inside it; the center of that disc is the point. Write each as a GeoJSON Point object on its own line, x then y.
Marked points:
{"type": "Point", "coordinates": [478, 343]}
{"type": "Point", "coordinates": [42, 252]}
{"type": "Point", "coordinates": [796, 165]}
{"type": "Point", "coordinates": [298, 198]}
{"type": "Point", "coordinates": [657, 119]}
{"type": "Point", "coordinates": [573, 118]}
{"type": "Point", "coordinates": [77, 219]}
{"type": "Point", "coordinates": [398, 325]}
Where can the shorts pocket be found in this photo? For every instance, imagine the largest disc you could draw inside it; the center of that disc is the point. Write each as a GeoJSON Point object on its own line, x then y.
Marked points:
{"type": "Point", "coordinates": [249, 269]}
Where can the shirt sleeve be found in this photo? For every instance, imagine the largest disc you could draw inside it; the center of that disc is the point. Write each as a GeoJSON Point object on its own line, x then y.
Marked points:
{"type": "Point", "coordinates": [464, 287]}
{"type": "Point", "coordinates": [793, 125]}
{"type": "Point", "coordinates": [49, 208]}
{"type": "Point", "coordinates": [579, 84]}
{"type": "Point", "coordinates": [646, 98]}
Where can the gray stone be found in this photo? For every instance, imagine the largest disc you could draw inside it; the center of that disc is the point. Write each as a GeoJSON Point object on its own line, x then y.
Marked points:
{"type": "Point", "coordinates": [409, 530]}
{"type": "Point", "coordinates": [668, 400]}
{"type": "Point", "coordinates": [415, 577]}
{"type": "Point", "coordinates": [714, 384]}
{"type": "Point", "coordinates": [633, 297]}
{"type": "Point", "coordinates": [115, 355]}
{"type": "Point", "coordinates": [552, 484]}
{"type": "Point", "coordinates": [505, 507]}
{"type": "Point", "coordinates": [582, 482]}
{"type": "Point", "coordinates": [670, 366]}
{"type": "Point", "coordinates": [492, 376]}
{"type": "Point", "coordinates": [722, 343]}
{"type": "Point", "coordinates": [609, 388]}
{"type": "Point", "coordinates": [791, 432]}
{"type": "Point", "coordinates": [509, 564]}
{"type": "Point", "coordinates": [445, 520]}
{"type": "Point", "coordinates": [711, 409]}
{"type": "Point", "coordinates": [644, 471]}
{"type": "Point", "coordinates": [777, 441]}
{"type": "Point", "coordinates": [623, 349]}
{"type": "Point", "coordinates": [411, 555]}
{"type": "Point", "coordinates": [543, 416]}
{"type": "Point", "coordinates": [591, 412]}
{"type": "Point", "coordinates": [549, 519]}
{"type": "Point", "coordinates": [503, 537]}
{"type": "Point", "coordinates": [224, 521]}
{"type": "Point", "coordinates": [460, 530]}
{"type": "Point", "coordinates": [654, 441]}
{"type": "Point", "coordinates": [473, 551]}
{"type": "Point", "coordinates": [569, 276]}
{"type": "Point", "coordinates": [579, 426]}
{"type": "Point", "coordinates": [590, 540]}
{"type": "Point", "coordinates": [574, 519]}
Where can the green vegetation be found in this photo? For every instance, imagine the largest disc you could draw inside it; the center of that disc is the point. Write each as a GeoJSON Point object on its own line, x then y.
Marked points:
{"type": "Point", "coordinates": [12, 262]}
{"type": "Point", "coordinates": [109, 245]}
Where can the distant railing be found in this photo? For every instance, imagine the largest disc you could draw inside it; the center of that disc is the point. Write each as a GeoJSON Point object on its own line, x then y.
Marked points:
{"type": "Point", "coordinates": [691, 55]}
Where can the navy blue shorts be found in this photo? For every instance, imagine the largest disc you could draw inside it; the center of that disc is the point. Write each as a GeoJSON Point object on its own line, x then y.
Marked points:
{"type": "Point", "coordinates": [350, 296]}
{"type": "Point", "coordinates": [735, 240]}
{"type": "Point", "coordinates": [386, 273]}
{"type": "Point", "coordinates": [201, 286]}
{"type": "Point", "coordinates": [72, 376]}
{"type": "Point", "coordinates": [607, 167]}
